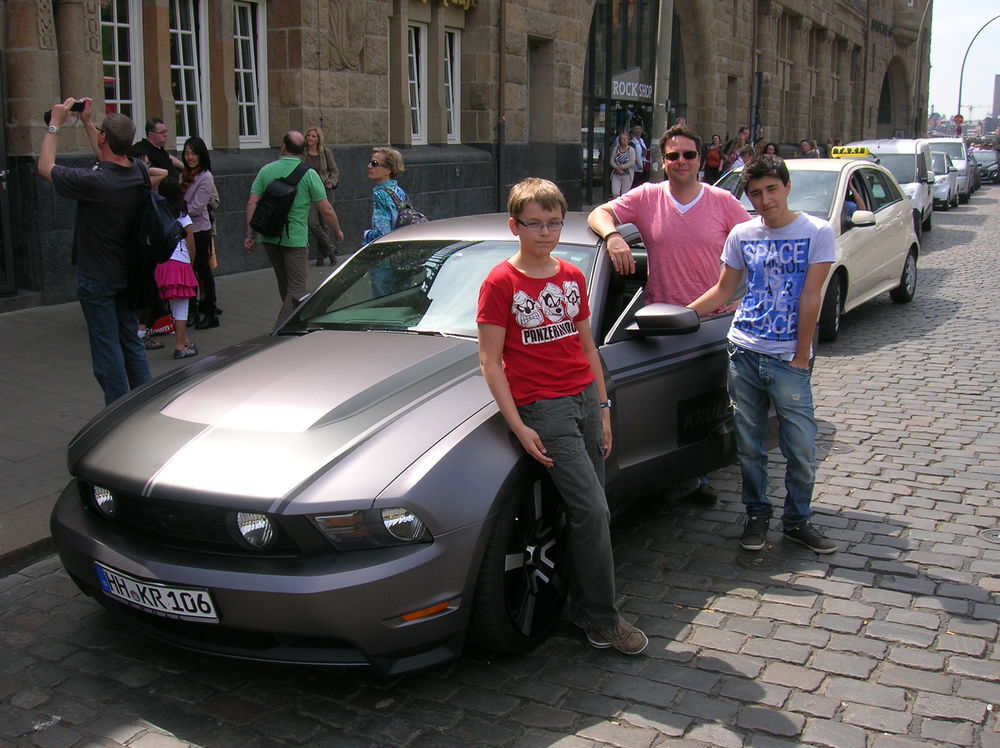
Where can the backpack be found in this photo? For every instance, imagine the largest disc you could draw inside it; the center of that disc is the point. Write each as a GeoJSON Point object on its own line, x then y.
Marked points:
{"type": "Point", "coordinates": [405, 212]}
{"type": "Point", "coordinates": [713, 159]}
{"type": "Point", "coordinates": [157, 231]}
{"type": "Point", "coordinates": [270, 215]}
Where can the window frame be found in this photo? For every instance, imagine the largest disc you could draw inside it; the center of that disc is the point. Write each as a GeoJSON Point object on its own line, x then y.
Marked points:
{"type": "Point", "coordinates": [137, 63]}
{"type": "Point", "coordinates": [258, 22]}
{"type": "Point", "coordinates": [452, 63]}
{"type": "Point", "coordinates": [203, 99]}
{"type": "Point", "coordinates": [416, 63]}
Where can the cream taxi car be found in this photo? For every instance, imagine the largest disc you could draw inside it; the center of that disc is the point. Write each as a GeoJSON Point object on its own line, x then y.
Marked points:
{"type": "Point", "coordinates": [877, 246]}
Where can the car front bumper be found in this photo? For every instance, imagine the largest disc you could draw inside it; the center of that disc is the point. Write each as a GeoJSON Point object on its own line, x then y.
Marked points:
{"type": "Point", "coordinates": [344, 608]}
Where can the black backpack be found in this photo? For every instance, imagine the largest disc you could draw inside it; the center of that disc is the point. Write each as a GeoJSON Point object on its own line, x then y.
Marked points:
{"type": "Point", "coordinates": [270, 215]}
{"type": "Point", "coordinates": [157, 230]}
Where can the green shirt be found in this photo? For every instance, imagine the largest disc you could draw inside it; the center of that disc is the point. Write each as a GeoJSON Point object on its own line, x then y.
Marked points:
{"type": "Point", "coordinates": [310, 189]}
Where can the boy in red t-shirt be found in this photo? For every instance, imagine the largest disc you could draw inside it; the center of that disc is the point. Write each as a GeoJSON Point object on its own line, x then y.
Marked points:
{"type": "Point", "coordinates": [539, 360]}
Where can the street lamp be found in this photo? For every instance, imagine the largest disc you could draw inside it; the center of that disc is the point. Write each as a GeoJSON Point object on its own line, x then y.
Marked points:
{"type": "Point", "coordinates": [961, 75]}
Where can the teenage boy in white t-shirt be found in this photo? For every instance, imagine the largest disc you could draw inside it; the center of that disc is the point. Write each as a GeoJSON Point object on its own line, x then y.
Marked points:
{"type": "Point", "coordinates": [786, 257]}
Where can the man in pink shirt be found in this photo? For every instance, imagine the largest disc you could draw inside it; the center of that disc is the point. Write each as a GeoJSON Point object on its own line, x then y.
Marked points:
{"type": "Point", "coordinates": [683, 223]}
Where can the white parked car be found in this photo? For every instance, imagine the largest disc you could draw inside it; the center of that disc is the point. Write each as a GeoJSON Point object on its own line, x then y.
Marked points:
{"type": "Point", "coordinates": [877, 246]}
{"type": "Point", "coordinates": [945, 181]}
{"type": "Point", "coordinates": [955, 147]}
{"type": "Point", "coordinates": [909, 160]}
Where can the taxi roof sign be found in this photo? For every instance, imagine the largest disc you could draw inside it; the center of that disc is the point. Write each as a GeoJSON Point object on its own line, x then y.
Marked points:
{"type": "Point", "coordinates": [850, 151]}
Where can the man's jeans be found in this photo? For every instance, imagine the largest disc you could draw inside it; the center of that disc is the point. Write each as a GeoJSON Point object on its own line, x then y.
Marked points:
{"type": "Point", "coordinates": [755, 381]}
{"type": "Point", "coordinates": [570, 429]}
{"type": "Point", "coordinates": [118, 356]}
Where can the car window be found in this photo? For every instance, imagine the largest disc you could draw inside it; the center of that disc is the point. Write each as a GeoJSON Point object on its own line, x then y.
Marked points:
{"type": "Point", "coordinates": [902, 166]}
{"type": "Point", "coordinates": [414, 286]}
{"type": "Point", "coordinates": [882, 191]}
{"type": "Point", "coordinates": [955, 150]}
{"type": "Point", "coordinates": [938, 162]}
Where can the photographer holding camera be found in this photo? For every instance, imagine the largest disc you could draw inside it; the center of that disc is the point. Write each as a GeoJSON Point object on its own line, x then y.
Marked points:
{"type": "Point", "coordinates": [108, 199]}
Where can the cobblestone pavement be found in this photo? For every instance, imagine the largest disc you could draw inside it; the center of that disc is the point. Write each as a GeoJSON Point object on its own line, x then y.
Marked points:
{"type": "Point", "coordinates": [890, 642]}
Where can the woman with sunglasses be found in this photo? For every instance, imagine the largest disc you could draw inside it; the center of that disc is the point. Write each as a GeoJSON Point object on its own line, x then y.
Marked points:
{"type": "Point", "coordinates": [384, 168]}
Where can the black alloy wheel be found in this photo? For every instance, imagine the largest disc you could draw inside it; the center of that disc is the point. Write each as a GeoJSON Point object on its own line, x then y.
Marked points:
{"type": "Point", "coordinates": [522, 584]}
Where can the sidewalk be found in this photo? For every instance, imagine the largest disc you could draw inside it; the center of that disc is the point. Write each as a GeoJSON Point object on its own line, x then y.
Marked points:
{"type": "Point", "coordinates": [50, 393]}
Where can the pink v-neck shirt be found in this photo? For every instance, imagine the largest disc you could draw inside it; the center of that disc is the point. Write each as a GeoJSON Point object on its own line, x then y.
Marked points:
{"type": "Point", "coordinates": [683, 247]}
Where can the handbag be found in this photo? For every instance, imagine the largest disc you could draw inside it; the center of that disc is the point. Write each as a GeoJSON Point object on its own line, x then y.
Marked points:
{"type": "Point", "coordinates": [213, 261]}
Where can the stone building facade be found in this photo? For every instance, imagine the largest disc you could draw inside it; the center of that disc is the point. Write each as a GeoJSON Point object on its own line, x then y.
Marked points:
{"type": "Point", "coordinates": [475, 93]}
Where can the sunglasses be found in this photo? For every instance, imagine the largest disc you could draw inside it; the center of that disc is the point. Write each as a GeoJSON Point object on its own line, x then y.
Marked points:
{"type": "Point", "coordinates": [376, 164]}
{"type": "Point", "coordinates": [674, 155]}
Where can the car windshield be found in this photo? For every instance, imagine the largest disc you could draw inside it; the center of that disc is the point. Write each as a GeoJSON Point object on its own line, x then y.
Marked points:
{"type": "Point", "coordinates": [955, 150]}
{"type": "Point", "coordinates": [414, 286]}
{"type": "Point", "coordinates": [812, 191]}
{"type": "Point", "coordinates": [938, 163]}
{"type": "Point", "coordinates": [902, 165]}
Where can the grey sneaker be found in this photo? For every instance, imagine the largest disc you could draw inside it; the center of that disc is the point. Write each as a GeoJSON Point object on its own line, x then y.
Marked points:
{"type": "Point", "coordinates": [808, 535]}
{"type": "Point", "coordinates": [754, 536]}
{"type": "Point", "coordinates": [623, 636]}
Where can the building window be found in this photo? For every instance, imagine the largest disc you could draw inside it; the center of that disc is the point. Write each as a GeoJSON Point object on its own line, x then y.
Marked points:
{"type": "Point", "coordinates": [122, 52]}
{"type": "Point", "coordinates": [249, 60]}
{"type": "Point", "coordinates": [452, 87]}
{"type": "Point", "coordinates": [186, 60]}
{"type": "Point", "coordinates": [416, 65]}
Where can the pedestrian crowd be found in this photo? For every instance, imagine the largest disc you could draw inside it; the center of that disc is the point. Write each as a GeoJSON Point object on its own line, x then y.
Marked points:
{"type": "Point", "coordinates": [552, 392]}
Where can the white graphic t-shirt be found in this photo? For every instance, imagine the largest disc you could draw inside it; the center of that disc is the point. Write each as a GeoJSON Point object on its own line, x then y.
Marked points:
{"type": "Point", "coordinates": [775, 261]}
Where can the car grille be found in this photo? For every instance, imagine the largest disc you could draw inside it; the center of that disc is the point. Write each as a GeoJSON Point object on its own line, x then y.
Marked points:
{"type": "Point", "coordinates": [183, 525]}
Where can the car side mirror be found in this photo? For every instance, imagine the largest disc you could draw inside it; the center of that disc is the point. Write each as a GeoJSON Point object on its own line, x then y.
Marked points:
{"type": "Point", "coordinates": [952, 168]}
{"type": "Point", "coordinates": [863, 218]}
{"type": "Point", "coordinates": [664, 319]}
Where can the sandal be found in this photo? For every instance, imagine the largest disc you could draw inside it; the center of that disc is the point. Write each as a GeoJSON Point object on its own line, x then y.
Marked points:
{"type": "Point", "coordinates": [150, 344]}
{"type": "Point", "coordinates": [185, 352]}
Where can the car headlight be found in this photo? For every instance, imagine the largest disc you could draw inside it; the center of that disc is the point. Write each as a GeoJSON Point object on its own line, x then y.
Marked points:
{"type": "Point", "coordinates": [105, 501]}
{"type": "Point", "coordinates": [372, 528]}
{"type": "Point", "coordinates": [255, 529]}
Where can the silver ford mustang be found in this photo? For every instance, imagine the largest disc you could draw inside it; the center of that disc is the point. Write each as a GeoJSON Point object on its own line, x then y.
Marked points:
{"type": "Point", "coordinates": [234, 507]}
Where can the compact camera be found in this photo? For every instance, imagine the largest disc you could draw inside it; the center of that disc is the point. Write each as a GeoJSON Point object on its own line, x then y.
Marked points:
{"type": "Point", "coordinates": [77, 107]}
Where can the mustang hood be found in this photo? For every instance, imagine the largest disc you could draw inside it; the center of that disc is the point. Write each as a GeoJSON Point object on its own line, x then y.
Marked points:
{"type": "Point", "coordinates": [266, 422]}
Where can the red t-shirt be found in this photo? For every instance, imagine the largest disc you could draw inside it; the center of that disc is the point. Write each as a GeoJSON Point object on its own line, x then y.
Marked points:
{"type": "Point", "coordinates": [542, 353]}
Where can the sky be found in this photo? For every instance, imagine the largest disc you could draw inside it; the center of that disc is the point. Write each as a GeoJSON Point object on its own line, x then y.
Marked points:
{"type": "Point", "coordinates": [953, 26]}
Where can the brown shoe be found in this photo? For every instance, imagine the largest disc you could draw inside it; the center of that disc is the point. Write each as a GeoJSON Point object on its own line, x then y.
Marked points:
{"type": "Point", "coordinates": [623, 636]}
{"type": "Point", "coordinates": [150, 344]}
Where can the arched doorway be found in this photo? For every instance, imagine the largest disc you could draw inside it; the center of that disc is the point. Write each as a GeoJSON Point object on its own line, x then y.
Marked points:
{"type": "Point", "coordinates": [894, 119]}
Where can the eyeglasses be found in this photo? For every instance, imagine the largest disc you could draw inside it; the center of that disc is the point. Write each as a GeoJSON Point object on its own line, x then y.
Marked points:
{"type": "Point", "coordinates": [376, 164]}
{"type": "Point", "coordinates": [552, 226]}
{"type": "Point", "coordinates": [159, 132]}
{"type": "Point", "coordinates": [674, 155]}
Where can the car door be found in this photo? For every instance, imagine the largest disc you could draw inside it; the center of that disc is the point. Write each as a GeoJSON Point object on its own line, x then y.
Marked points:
{"type": "Point", "coordinates": [892, 221]}
{"type": "Point", "coordinates": [671, 416]}
{"type": "Point", "coordinates": [855, 242]}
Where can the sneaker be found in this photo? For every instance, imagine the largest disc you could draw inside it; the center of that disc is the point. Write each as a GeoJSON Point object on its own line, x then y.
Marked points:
{"type": "Point", "coordinates": [150, 343]}
{"type": "Point", "coordinates": [754, 536]}
{"type": "Point", "coordinates": [809, 535]}
{"type": "Point", "coordinates": [623, 636]}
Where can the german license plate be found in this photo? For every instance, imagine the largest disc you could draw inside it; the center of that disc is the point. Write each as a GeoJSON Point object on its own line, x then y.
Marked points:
{"type": "Point", "coordinates": [188, 603]}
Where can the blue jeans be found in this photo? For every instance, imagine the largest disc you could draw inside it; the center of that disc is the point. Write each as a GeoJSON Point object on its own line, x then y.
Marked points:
{"type": "Point", "coordinates": [117, 353]}
{"type": "Point", "coordinates": [756, 381]}
{"type": "Point", "coordinates": [570, 429]}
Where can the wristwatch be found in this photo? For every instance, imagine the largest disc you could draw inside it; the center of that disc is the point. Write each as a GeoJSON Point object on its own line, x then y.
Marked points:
{"type": "Point", "coordinates": [606, 404]}
{"type": "Point", "coordinates": [53, 129]}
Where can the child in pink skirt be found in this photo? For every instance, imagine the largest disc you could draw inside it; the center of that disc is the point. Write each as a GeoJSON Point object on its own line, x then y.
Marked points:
{"type": "Point", "coordinates": [175, 278]}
